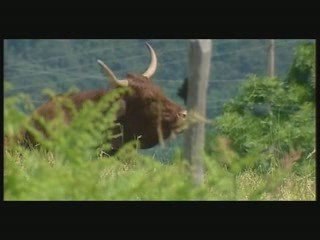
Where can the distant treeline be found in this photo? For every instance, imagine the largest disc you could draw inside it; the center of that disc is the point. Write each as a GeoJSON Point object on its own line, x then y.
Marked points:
{"type": "Point", "coordinates": [32, 65]}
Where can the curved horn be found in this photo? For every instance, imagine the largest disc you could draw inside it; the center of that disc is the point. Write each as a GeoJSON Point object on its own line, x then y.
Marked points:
{"type": "Point", "coordinates": [113, 78]}
{"type": "Point", "coordinates": [153, 64]}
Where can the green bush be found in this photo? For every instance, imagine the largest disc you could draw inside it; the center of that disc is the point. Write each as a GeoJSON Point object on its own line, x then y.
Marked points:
{"type": "Point", "coordinates": [273, 116]}
{"type": "Point", "coordinates": [14, 118]}
{"type": "Point", "coordinates": [302, 70]}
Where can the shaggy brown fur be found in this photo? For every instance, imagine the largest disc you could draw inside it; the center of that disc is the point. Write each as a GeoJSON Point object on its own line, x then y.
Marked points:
{"type": "Point", "coordinates": [142, 113]}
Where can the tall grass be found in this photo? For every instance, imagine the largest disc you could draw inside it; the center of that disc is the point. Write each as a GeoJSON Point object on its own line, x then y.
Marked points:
{"type": "Point", "coordinates": [71, 168]}
{"type": "Point", "coordinates": [36, 175]}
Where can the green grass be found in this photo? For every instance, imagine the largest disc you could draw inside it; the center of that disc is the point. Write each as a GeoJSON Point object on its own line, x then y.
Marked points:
{"type": "Point", "coordinates": [292, 187]}
{"type": "Point", "coordinates": [72, 168]}
{"type": "Point", "coordinates": [37, 175]}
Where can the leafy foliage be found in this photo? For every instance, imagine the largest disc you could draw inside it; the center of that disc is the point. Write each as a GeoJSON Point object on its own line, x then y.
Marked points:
{"type": "Point", "coordinates": [64, 172]}
{"type": "Point", "coordinates": [269, 126]}
{"type": "Point", "coordinates": [36, 175]}
{"type": "Point", "coordinates": [303, 68]}
{"type": "Point", "coordinates": [14, 117]}
{"type": "Point", "coordinates": [273, 116]}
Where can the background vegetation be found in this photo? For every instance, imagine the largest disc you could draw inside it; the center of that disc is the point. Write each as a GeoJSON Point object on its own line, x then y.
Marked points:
{"type": "Point", "coordinates": [259, 146]}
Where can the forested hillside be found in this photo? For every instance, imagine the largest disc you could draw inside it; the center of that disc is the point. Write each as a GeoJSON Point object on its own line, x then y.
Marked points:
{"type": "Point", "coordinates": [32, 65]}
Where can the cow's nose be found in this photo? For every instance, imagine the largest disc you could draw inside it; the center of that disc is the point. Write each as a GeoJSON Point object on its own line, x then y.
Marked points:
{"type": "Point", "coordinates": [183, 114]}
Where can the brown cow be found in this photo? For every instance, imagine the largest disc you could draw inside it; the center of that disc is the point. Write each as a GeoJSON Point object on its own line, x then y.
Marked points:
{"type": "Point", "coordinates": [146, 114]}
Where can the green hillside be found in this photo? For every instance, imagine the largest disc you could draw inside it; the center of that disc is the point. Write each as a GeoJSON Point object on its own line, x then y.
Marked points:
{"type": "Point", "coordinates": [31, 65]}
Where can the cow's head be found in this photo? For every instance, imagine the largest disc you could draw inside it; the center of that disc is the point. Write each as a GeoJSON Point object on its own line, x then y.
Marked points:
{"type": "Point", "coordinates": [148, 114]}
